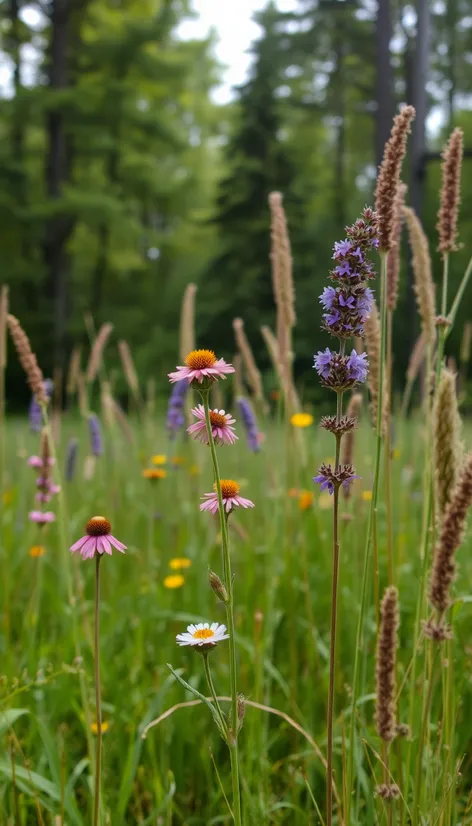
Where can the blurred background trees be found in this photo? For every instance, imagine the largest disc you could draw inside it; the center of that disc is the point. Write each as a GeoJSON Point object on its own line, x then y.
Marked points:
{"type": "Point", "coordinates": [121, 180]}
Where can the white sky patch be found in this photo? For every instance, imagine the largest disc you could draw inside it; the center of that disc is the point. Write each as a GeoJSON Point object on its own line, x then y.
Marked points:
{"type": "Point", "coordinates": [235, 30]}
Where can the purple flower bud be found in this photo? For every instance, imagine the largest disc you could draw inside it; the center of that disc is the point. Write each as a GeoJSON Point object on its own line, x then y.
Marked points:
{"type": "Point", "coordinates": [96, 441]}
{"type": "Point", "coordinates": [327, 297]}
{"type": "Point", "coordinates": [34, 414]}
{"type": "Point", "coordinates": [250, 423]}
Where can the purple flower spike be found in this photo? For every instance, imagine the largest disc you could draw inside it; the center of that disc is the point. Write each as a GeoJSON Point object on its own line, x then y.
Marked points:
{"type": "Point", "coordinates": [332, 318]}
{"type": "Point", "coordinates": [357, 366]}
{"type": "Point", "coordinates": [96, 441]}
{"type": "Point", "coordinates": [250, 424]}
{"type": "Point", "coordinates": [343, 269]}
{"type": "Point", "coordinates": [322, 363]}
{"type": "Point", "coordinates": [347, 302]}
{"type": "Point", "coordinates": [175, 410]}
{"type": "Point", "coordinates": [341, 248]}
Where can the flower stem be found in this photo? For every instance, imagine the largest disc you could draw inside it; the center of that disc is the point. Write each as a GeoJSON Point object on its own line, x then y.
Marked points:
{"type": "Point", "coordinates": [98, 757]}
{"type": "Point", "coordinates": [334, 612]}
{"type": "Point", "coordinates": [209, 678]}
{"type": "Point", "coordinates": [228, 581]}
{"type": "Point", "coordinates": [369, 535]}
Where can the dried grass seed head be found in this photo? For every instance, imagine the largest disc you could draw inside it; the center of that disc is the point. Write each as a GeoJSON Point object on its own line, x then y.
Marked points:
{"type": "Point", "coordinates": [389, 175]}
{"type": "Point", "coordinates": [450, 192]}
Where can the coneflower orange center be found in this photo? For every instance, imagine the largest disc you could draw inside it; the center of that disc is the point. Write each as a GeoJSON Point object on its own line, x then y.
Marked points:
{"type": "Point", "coordinates": [203, 634]}
{"type": "Point", "coordinates": [228, 488]}
{"type": "Point", "coordinates": [199, 359]}
{"type": "Point", "coordinates": [217, 419]}
{"type": "Point", "coordinates": [98, 526]}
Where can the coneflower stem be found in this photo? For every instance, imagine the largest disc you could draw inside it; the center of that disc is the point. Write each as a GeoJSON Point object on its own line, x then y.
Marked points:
{"type": "Point", "coordinates": [98, 705]}
{"type": "Point", "coordinates": [369, 535]}
{"type": "Point", "coordinates": [228, 581]}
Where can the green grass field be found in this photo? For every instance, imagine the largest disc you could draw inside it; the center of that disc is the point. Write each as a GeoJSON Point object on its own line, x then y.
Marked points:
{"type": "Point", "coordinates": [282, 558]}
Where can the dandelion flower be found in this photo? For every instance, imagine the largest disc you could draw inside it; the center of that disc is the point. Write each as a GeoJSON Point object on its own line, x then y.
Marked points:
{"type": "Point", "coordinates": [41, 517]}
{"type": "Point", "coordinates": [98, 539]}
{"type": "Point", "coordinates": [179, 563]}
{"type": "Point", "coordinates": [200, 365]}
{"type": "Point", "coordinates": [301, 419]}
{"type": "Point", "coordinates": [173, 581]}
{"type": "Point", "coordinates": [159, 459]}
{"type": "Point", "coordinates": [36, 551]}
{"type": "Point", "coordinates": [203, 635]}
{"type": "Point", "coordinates": [154, 473]}
{"type": "Point", "coordinates": [230, 495]}
{"type": "Point", "coordinates": [222, 432]}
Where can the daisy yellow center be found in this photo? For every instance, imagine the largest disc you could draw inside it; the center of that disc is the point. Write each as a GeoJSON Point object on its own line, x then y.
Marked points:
{"type": "Point", "coordinates": [98, 526]}
{"type": "Point", "coordinates": [228, 488]}
{"type": "Point", "coordinates": [217, 419]}
{"type": "Point", "coordinates": [203, 634]}
{"type": "Point", "coordinates": [199, 359]}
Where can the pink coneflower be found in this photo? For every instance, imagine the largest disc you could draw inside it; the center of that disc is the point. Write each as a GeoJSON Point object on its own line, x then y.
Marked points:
{"type": "Point", "coordinates": [231, 498]}
{"type": "Point", "coordinates": [42, 518]}
{"type": "Point", "coordinates": [200, 365]}
{"type": "Point", "coordinates": [37, 461]}
{"type": "Point", "coordinates": [98, 539]}
{"type": "Point", "coordinates": [223, 433]}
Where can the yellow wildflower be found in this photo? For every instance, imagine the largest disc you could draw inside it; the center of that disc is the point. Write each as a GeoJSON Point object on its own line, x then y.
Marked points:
{"type": "Point", "coordinates": [37, 550]}
{"type": "Point", "coordinates": [154, 473]}
{"type": "Point", "coordinates": [367, 495]}
{"type": "Point", "coordinates": [173, 581]}
{"type": "Point", "coordinates": [305, 500]}
{"type": "Point", "coordinates": [94, 727]}
{"type": "Point", "coordinates": [159, 459]}
{"type": "Point", "coordinates": [302, 419]}
{"type": "Point", "coordinates": [179, 563]}
{"type": "Point", "coordinates": [395, 453]}
{"type": "Point", "coordinates": [7, 497]}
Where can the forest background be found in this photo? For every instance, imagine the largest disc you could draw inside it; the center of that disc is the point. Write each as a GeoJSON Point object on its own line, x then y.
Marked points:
{"type": "Point", "coordinates": [122, 180]}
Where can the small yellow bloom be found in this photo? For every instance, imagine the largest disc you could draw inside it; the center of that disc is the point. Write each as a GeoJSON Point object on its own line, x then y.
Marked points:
{"type": "Point", "coordinates": [194, 470]}
{"type": "Point", "coordinates": [325, 501]}
{"type": "Point", "coordinates": [173, 581]}
{"type": "Point", "coordinates": [178, 460]}
{"type": "Point", "coordinates": [159, 459]}
{"type": "Point", "coordinates": [302, 419]}
{"type": "Point", "coordinates": [179, 563]}
{"type": "Point", "coordinates": [7, 497]}
{"type": "Point", "coordinates": [395, 453]}
{"type": "Point", "coordinates": [37, 550]}
{"type": "Point", "coordinates": [94, 727]}
{"type": "Point", "coordinates": [367, 495]}
{"type": "Point", "coordinates": [305, 500]}
{"type": "Point", "coordinates": [154, 473]}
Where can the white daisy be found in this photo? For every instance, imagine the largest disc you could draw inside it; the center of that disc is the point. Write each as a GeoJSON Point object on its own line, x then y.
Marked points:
{"type": "Point", "coordinates": [203, 634]}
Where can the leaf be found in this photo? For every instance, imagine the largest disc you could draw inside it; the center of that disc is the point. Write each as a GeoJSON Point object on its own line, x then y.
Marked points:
{"type": "Point", "coordinates": [7, 718]}
{"type": "Point", "coordinates": [201, 697]}
{"type": "Point", "coordinates": [30, 779]}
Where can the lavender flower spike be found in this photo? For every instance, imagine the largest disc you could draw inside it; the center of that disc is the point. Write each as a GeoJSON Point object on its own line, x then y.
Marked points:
{"type": "Point", "coordinates": [175, 410]}
{"type": "Point", "coordinates": [250, 423]}
{"type": "Point", "coordinates": [71, 457]}
{"type": "Point", "coordinates": [322, 363]}
{"type": "Point", "coordinates": [358, 366]}
{"type": "Point", "coordinates": [34, 415]}
{"type": "Point", "coordinates": [96, 441]}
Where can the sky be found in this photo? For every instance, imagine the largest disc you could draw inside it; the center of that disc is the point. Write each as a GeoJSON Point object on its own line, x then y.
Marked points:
{"type": "Point", "coordinates": [231, 20]}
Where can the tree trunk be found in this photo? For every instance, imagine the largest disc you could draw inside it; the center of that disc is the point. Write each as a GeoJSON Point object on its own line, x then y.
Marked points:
{"type": "Point", "coordinates": [384, 80]}
{"type": "Point", "coordinates": [57, 170]}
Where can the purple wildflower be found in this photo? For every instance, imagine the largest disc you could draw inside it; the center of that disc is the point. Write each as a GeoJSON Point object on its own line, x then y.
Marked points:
{"type": "Point", "coordinates": [250, 423]}
{"type": "Point", "coordinates": [347, 302]}
{"type": "Point", "coordinates": [96, 441]}
{"type": "Point", "coordinates": [332, 318]}
{"type": "Point", "coordinates": [364, 303]}
{"type": "Point", "coordinates": [341, 248]}
{"type": "Point", "coordinates": [326, 482]}
{"type": "Point", "coordinates": [327, 297]}
{"type": "Point", "coordinates": [343, 269]}
{"type": "Point", "coordinates": [71, 456]}
{"type": "Point", "coordinates": [358, 366]}
{"type": "Point", "coordinates": [175, 410]}
{"type": "Point", "coordinates": [323, 361]}
{"type": "Point", "coordinates": [35, 416]}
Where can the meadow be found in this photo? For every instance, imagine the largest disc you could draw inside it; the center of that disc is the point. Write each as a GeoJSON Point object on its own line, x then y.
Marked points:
{"type": "Point", "coordinates": [249, 731]}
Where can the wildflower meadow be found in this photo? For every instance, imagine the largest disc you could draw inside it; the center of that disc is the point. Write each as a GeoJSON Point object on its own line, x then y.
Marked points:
{"type": "Point", "coordinates": [222, 605]}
